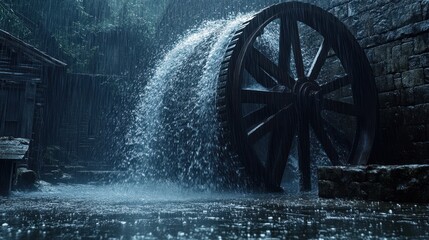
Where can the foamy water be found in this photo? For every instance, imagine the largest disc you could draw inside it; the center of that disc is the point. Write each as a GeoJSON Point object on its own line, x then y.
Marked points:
{"type": "Point", "coordinates": [174, 135]}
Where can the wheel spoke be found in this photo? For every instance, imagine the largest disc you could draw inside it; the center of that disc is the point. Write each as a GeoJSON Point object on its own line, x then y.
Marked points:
{"type": "Point", "coordinates": [266, 97]}
{"type": "Point", "coordinates": [304, 152]}
{"type": "Point", "coordinates": [280, 150]}
{"type": "Point", "coordinates": [259, 74]}
{"type": "Point", "coordinates": [271, 68]}
{"type": "Point", "coordinates": [285, 46]}
{"type": "Point", "coordinates": [316, 124]}
{"type": "Point", "coordinates": [267, 125]}
{"type": "Point", "coordinates": [339, 107]}
{"type": "Point", "coordinates": [319, 61]}
{"type": "Point", "coordinates": [334, 85]}
{"type": "Point", "coordinates": [337, 134]}
{"type": "Point", "coordinates": [296, 45]}
{"type": "Point", "coordinates": [258, 116]}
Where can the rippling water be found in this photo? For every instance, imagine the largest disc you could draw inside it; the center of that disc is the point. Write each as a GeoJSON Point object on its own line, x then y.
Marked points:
{"type": "Point", "coordinates": [166, 210]}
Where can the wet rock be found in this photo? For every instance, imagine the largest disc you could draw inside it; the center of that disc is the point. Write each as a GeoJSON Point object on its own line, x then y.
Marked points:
{"type": "Point", "coordinates": [412, 78]}
{"type": "Point", "coordinates": [421, 43]}
{"type": "Point", "coordinates": [404, 183]}
{"type": "Point", "coordinates": [327, 189]}
{"type": "Point", "coordinates": [26, 179]}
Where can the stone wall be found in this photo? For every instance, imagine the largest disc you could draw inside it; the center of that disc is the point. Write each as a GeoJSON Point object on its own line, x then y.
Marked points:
{"type": "Point", "coordinates": [395, 36]}
{"type": "Point", "coordinates": [405, 183]}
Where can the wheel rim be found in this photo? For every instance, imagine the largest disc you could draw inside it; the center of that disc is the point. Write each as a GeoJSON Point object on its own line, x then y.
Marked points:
{"type": "Point", "coordinates": [289, 101]}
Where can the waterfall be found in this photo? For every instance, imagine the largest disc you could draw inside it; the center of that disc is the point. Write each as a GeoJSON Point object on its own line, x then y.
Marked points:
{"type": "Point", "coordinates": [174, 135]}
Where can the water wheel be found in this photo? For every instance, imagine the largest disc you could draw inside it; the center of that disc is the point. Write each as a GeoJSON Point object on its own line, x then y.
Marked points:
{"type": "Point", "coordinates": [312, 90]}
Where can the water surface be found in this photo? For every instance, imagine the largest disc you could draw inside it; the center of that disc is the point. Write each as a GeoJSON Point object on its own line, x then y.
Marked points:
{"type": "Point", "coordinates": [168, 211]}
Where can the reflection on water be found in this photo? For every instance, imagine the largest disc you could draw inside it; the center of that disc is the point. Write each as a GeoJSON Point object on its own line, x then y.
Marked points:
{"type": "Point", "coordinates": [168, 211]}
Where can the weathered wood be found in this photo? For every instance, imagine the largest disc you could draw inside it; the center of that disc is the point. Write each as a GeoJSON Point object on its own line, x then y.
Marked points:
{"type": "Point", "coordinates": [29, 50]}
{"type": "Point", "coordinates": [19, 76]}
{"type": "Point", "coordinates": [13, 148]}
{"type": "Point", "coordinates": [21, 68]}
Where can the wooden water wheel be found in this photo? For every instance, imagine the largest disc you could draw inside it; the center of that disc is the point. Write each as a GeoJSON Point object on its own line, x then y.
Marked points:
{"type": "Point", "coordinates": [315, 93]}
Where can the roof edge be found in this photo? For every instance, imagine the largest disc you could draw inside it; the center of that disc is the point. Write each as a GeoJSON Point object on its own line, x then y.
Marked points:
{"type": "Point", "coordinates": [30, 50]}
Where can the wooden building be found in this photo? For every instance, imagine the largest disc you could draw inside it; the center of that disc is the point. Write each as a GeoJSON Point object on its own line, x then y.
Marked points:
{"type": "Point", "coordinates": [25, 73]}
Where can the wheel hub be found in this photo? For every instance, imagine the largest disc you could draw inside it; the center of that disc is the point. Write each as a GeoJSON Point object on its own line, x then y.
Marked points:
{"type": "Point", "coordinates": [305, 91]}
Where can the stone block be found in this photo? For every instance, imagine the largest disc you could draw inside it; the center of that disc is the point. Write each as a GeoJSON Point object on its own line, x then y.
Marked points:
{"type": "Point", "coordinates": [341, 11]}
{"type": "Point", "coordinates": [406, 13]}
{"type": "Point", "coordinates": [327, 189]}
{"type": "Point", "coordinates": [382, 52]}
{"type": "Point", "coordinates": [404, 183]}
{"type": "Point", "coordinates": [389, 99]}
{"type": "Point", "coordinates": [407, 97]}
{"type": "Point", "coordinates": [425, 9]}
{"type": "Point", "coordinates": [407, 48]}
{"type": "Point", "coordinates": [371, 41]}
{"type": "Point", "coordinates": [382, 23]}
{"type": "Point", "coordinates": [417, 133]}
{"type": "Point", "coordinates": [421, 43]}
{"type": "Point", "coordinates": [396, 65]}
{"type": "Point", "coordinates": [410, 188]}
{"type": "Point", "coordinates": [398, 81]}
{"type": "Point", "coordinates": [356, 174]}
{"type": "Point", "coordinates": [385, 83]}
{"type": "Point", "coordinates": [379, 69]}
{"type": "Point", "coordinates": [415, 115]}
{"type": "Point", "coordinates": [426, 73]}
{"type": "Point", "coordinates": [329, 174]}
{"type": "Point", "coordinates": [356, 191]}
{"type": "Point", "coordinates": [400, 56]}
{"type": "Point", "coordinates": [373, 190]}
{"type": "Point", "coordinates": [424, 60]}
{"type": "Point", "coordinates": [332, 4]}
{"type": "Point", "coordinates": [421, 94]}
{"type": "Point", "coordinates": [359, 26]}
{"type": "Point", "coordinates": [406, 31]}
{"type": "Point", "coordinates": [372, 176]}
{"type": "Point", "coordinates": [353, 9]}
{"type": "Point", "coordinates": [412, 78]}
{"type": "Point", "coordinates": [419, 61]}
{"type": "Point", "coordinates": [414, 62]}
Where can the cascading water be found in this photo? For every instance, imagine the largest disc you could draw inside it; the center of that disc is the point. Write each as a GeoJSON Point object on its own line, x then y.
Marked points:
{"type": "Point", "coordinates": [174, 135]}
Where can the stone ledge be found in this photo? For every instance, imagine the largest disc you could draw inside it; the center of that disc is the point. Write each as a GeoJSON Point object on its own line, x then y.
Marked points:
{"type": "Point", "coordinates": [404, 183]}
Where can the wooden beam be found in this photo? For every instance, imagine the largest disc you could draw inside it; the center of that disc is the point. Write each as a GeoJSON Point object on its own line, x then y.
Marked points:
{"type": "Point", "coordinates": [29, 50]}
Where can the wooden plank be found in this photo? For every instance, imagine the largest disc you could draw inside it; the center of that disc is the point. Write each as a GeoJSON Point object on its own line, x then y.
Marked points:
{"type": "Point", "coordinates": [24, 78]}
{"type": "Point", "coordinates": [18, 74]}
{"type": "Point", "coordinates": [13, 148]}
{"type": "Point", "coordinates": [20, 69]}
{"type": "Point", "coordinates": [12, 157]}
